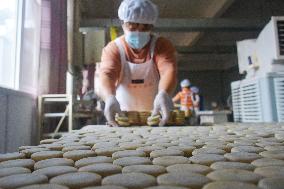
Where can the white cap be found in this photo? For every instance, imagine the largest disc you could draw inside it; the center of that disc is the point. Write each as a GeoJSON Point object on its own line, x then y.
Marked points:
{"type": "Point", "coordinates": [138, 11]}
{"type": "Point", "coordinates": [185, 83]}
{"type": "Point", "coordinates": [194, 89]}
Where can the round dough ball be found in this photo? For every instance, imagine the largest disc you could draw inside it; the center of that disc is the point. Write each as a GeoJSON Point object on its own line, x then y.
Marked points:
{"type": "Point", "coordinates": [28, 152]}
{"type": "Point", "coordinates": [38, 156]}
{"type": "Point", "coordinates": [48, 141]}
{"type": "Point", "coordinates": [130, 180]}
{"type": "Point", "coordinates": [53, 162]}
{"type": "Point", "coordinates": [44, 186]}
{"type": "Point", "coordinates": [127, 161]}
{"type": "Point", "coordinates": [128, 153]}
{"type": "Point", "coordinates": [208, 151]}
{"type": "Point", "coordinates": [166, 152]}
{"type": "Point", "coordinates": [92, 160]}
{"type": "Point", "coordinates": [232, 165]}
{"type": "Point", "coordinates": [276, 154]}
{"type": "Point", "coordinates": [167, 187]}
{"type": "Point", "coordinates": [187, 150]}
{"type": "Point", "coordinates": [148, 149]}
{"type": "Point", "coordinates": [154, 170]}
{"type": "Point", "coordinates": [264, 162]}
{"type": "Point", "coordinates": [270, 171]}
{"type": "Point", "coordinates": [54, 171]}
{"type": "Point", "coordinates": [170, 160]}
{"type": "Point", "coordinates": [107, 151]}
{"type": "Point", "coordinates": [243, 157]}
{"type": "Point", "coordinates": [191, 180]}
{"type": "Point", "coordinates": [194, 168]}
{"type": "Point", "coordinates": [272, 183]}
{"type": "Point", "coordinates": [11, 156]}
{"type": "Point", "coordinates": [229, 185]}
{"type": "Point", "coordinates": [76, 155]}
{"type": "Point", "coordinates": [16, 181]}
{"type": "Point", "coordinates": [249, 149]}
{"type": "Point", "coordinates": [105, 187]}
{"type": "Point", "coordinates": [77, 180]}
{"type": "Point", "coordinates": [234, 175]}
{"type": "Point", "coordinates": [206, 159]}
{"type": "Point", "coordinates": [71, 148]}
{"type": "Point", "coordinates": [27, 163]}
{"type": "Point", "coordinates": [103, 169]}
{"type": "Point", "coordinates": [13, 171]}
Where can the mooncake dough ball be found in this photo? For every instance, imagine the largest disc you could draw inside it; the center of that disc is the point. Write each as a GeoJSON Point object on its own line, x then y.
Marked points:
{"type": "Point", "coordinates": [53, 162]}
{"type": "Point", "coordinates": [103, 169]}
{"type": "Point", "coordinates": [154, 170]}
{"type": "Point", "coordinates": [194, 168]}
{"type": "Point", "coordinates": [13, 171]}
{"type": "Point", "coordinates": [76, 155]}
{"type": "Point", "coordinates": [16, 181]}
{"type": "Point", "coordinates": [191, 180]}
{"type": "Point", "coordinates": [92, 160]}
{"type": "Point", "coordinates": [38, 156]}
{"type": "Point", "coordinates": [11, 156]}
{"type": "Point", "coordinates": [77, 180]}
{"type": "Point", "coordinates": [27, 163]}
{"type": "Point", "coordinates": [234, 175]}
{"type": "Point", "coordinates": [54, 171]}
{"type": "Point", "coordinates": [127, 161]}
{"type": "Point", "coordinates": [170, 160]}
{"type": "Point", "coordinates": [229, 185]}
{"type": "Point", "coordinates": [130, 180]}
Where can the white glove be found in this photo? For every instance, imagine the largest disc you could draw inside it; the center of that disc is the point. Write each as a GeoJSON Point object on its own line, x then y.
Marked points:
{"type": "Point", "coordinates": [163, 104]}
{"type": "Point", "coordinates": [111, 108]}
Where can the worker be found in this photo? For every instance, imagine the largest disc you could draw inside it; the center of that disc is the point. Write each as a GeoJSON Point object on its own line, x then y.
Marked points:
{"type": "Point", "coordinates": [195, 98]}
{"type": "Point", "coordinates": [138, 69]}
{"type": "Point", "coordinates": [185, 98]}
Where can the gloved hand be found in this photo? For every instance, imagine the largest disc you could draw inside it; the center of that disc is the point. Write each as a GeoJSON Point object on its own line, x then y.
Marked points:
{"type": "Point", "coordinates": [111, 108]}
{"type": "Point", "coordinates": [163, 104]}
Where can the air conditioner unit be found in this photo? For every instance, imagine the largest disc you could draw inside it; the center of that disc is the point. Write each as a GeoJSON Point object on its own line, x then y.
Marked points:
{"type": "Point", "coordinates": [266, 53]}
{"type": "Point", "coordinates": [260, 96]}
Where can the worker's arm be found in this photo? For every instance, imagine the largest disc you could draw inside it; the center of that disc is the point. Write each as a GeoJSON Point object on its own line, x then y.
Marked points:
{"type": "Point", "coordinates": [165, 59]}
{"type": "Point", "coordinates": [167, 66]}
{"type": "Point", "coordinates": [108, 77]}
{"type": "Point", "coordinates": [109, 70]}
{"type": "Point", "coordinates": [176, 98]}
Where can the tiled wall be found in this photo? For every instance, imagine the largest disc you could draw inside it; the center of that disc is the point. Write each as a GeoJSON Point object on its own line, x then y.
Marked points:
{"type": "Point", "coordinates": [17, 120]}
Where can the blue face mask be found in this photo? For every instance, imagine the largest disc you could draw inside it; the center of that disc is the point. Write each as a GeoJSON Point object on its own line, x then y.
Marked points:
{"type": "Point", "coordinates": [137, 40]}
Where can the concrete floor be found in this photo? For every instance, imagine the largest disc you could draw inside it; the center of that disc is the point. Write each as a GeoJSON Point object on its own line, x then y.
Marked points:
{"type": "Point", "coordinates": [221, 156]}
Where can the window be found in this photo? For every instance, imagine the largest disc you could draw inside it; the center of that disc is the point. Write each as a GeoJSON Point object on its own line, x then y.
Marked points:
{"type": "Point", "coordinates": [10, 14]}
{"type": "Point", "coordinates": [20, 44]}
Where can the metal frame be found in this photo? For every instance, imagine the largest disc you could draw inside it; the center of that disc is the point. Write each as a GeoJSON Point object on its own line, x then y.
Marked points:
{"type": "Point", "coordinates": [183, 25]}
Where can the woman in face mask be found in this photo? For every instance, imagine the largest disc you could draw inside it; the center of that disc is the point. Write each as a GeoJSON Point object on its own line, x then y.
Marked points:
{"type": "Point", "coordinates": [138, 69]}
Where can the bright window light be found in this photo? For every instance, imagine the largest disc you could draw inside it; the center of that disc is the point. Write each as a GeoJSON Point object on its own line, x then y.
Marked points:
{"type": "Point", "coordinates": [8, 42]}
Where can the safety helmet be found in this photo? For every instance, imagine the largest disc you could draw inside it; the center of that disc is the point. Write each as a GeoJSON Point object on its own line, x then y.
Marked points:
{"type": "Point", "coordinates": [185, 83]}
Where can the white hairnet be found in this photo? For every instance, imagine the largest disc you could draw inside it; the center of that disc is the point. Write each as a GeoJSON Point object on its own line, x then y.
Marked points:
{"type": "Point", "coordinates": [194, 89]}
{"type": "Point", "coordinates": [138, 11]}
{"type": "Point", "coordinates": [185, 83]}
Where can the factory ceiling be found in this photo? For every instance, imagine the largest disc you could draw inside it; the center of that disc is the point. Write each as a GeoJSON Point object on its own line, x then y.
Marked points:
{"type": "Point", "coordinates": [204, 31]}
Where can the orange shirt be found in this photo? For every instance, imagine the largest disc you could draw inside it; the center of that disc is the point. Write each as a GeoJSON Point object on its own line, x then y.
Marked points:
{"type": "Point", "coordinates": [185, 97]}
{"type": "Point", "coordinates": [164, 57]}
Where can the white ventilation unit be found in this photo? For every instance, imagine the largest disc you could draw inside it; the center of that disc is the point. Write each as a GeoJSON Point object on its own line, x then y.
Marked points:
{"type": "Point", "coordinates": [259, 99]}
{"type": "Point", "coordinates": [279, 97]}
{"type": "Point", "coordinates": [236, 101]}
{"type": "Point", "coordinates": [260, 96]}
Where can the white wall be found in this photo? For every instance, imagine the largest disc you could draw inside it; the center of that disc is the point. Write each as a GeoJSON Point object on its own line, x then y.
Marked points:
{"type": "Point", "coordinates": [17, 120]}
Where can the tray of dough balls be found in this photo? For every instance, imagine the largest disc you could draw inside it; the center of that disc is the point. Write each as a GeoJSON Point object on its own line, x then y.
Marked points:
{"type": "Point", "coordinates": [228, 156]}
{"type": "Point", "coordinates": [134, 118]}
